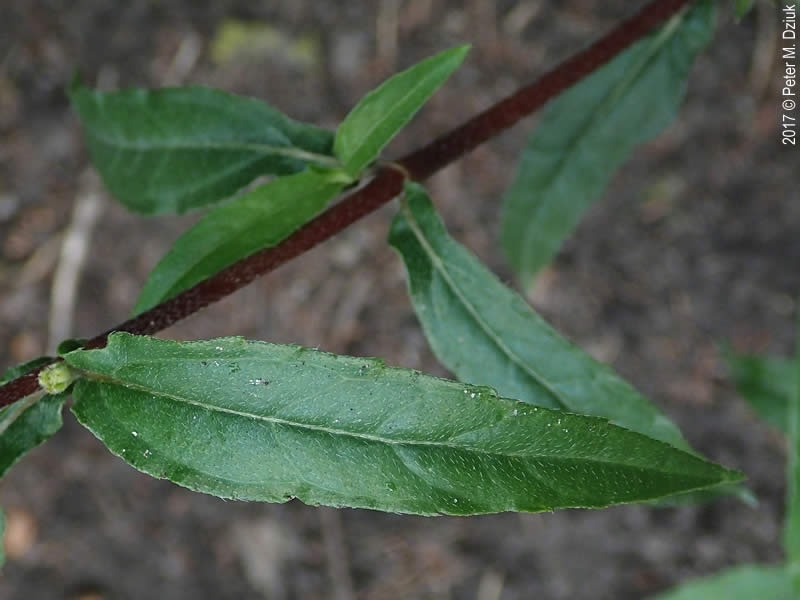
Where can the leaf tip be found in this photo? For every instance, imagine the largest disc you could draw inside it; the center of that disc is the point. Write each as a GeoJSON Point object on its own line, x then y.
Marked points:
{"type": "Point", "coordinates": [463, 49]}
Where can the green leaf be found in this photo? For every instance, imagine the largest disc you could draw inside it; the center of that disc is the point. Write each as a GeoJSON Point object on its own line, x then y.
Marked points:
{"type": "Point", "coordinates": [69, 345]}
{"type": "Point", "coordinates": [742, 583]}
{"type": "Point", "coordinates": [742, 7]}
{"type": "Point", "coordinates": [27, 422]}
{"type": "Point", "coordinates": [260, 218]}
{"type": "Point", "coordinates": [791, 534]}
{"type": "Point", "coordinates": [766, 382]}
{"type": "Point", "coordinates": [257, 421]}
{"type": "Point", "coordinates": [585, 134]}
{"type": "Point", "coordinates": [19, 370]}
{"type": "Point", "coordinates": [176, 149]}
{"type": "Point", "coordinates": [384, 111]}
{"type": "Point", "coordinates": [486, 333]}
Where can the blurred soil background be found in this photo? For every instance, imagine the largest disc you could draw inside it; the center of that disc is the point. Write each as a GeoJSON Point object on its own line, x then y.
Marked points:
{"type": "Point", "coordinates": [696, 241]}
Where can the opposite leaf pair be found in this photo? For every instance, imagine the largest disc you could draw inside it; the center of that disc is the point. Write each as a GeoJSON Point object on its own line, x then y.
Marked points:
{"type": "Point", "coordinates": [178, 149]}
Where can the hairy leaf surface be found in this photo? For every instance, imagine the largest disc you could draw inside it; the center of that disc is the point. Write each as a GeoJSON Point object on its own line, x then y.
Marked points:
{"type": "Point", "coordinates": [257, 421]}
{"type": "Point", "coordinates": [175, 149]}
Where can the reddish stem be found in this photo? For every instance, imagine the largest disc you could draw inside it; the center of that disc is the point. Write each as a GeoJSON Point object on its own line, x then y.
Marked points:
{"type": "Point", "coordinates": [384, 187]}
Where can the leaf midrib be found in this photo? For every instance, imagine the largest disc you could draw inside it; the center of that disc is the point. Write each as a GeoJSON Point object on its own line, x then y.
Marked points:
{"type": "Point", "coordinates": [125, 144]}
{"type": "Point", "coordinates": [258, 223]}
{"type": "Point", "coordinates": [496, 338]}
{"type": "Point", "coordinates": [603, 108]}
{"type": "Point", "coordinates": [368, 134]}
{"type": "Point", "coordinates": [108, 379]}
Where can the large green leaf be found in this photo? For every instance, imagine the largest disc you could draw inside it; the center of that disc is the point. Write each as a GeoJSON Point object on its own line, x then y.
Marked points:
{"type": "Point", "coordinates": [587, 132]}
{"type": "Point", "coordinates": [485, 333]}
{"type": "Point", "coordinates": [257, 421]}
{"type": "Point", "coordinates": [766, 382]}
{"type": "Point", "coordinates": [384, 111]}
{"type": "Point", "coordinates": [260, 218]}
{"type": "Point", "coordinates": [176, 149]}
{"type": "Point", "coordinates": [742, 583]}
{"type": "Point", "coordinates": [27, 422]}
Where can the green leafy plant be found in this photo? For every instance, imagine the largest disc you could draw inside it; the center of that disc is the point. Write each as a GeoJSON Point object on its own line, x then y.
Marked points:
{"type": "Point", "coordinates": [771, 385]}
{"type": "Point", "coordinates": [532, 423]}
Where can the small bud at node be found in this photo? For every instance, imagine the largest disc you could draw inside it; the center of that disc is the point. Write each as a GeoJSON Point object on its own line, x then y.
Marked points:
{"type": "Point", "coordinates": [56, 378]}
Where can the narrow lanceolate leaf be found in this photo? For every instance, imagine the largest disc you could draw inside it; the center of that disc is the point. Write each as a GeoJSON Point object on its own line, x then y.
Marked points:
{"type": "Point", "coordinates": [259, 218]}
{"type": "Point", "coordinates": [587, 132]}
{"type": "Point", "coordinates": [485, 333]}
{"type": "Point", "coordinates": [384, 111]}
{"type": "Point", "coordinates": [176, 149]}
{"type": "Point", "coordinates": [742, 583]}
{"type": "Point", "coordinates": [257, 421]}
{"type": "Point", "coordinates": [27, 422]}
{"type": "Point", "coordinates": [766, 382]}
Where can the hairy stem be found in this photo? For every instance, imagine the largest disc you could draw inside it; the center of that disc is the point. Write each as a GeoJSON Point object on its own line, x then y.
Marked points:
{"type": "Point", "coordinates": [387, 184]}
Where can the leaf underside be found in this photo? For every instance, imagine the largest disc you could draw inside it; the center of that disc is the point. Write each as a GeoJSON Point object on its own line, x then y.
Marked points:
{"type": "Point", "coordinates": [484, 332]}
{"type": "Point", "coordinates": [176, 149]}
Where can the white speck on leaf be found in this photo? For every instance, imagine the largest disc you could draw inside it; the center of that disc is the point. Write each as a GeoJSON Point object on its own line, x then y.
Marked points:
{"type": "Point", "coordinates": [134, 434]}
